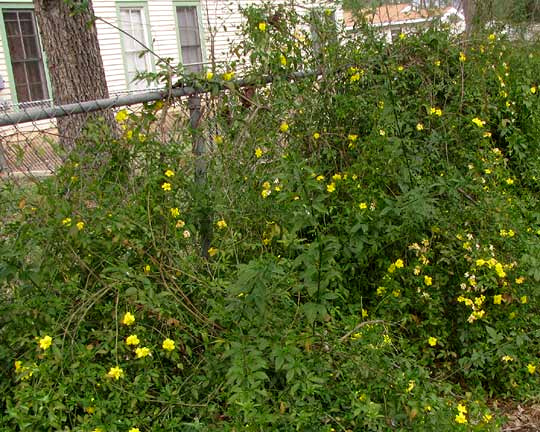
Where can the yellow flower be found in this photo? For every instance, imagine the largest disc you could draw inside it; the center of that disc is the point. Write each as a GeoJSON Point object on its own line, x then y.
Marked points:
{"type": "Point", "coordinates": [97, 430]}
{"type": "Point", "coordinates": [283, 127]}
{"type": "Point", "coordinates": [462, 57]}
{"type": "Point", "coordinates": [487, 135]}
{"type": "Point", "coordinates": [419, 127]}
{"type": "Point", "coordinates": [411, 386]}
{"type": "Point", "coordinates": [221, 224]}
{"type": "Point", "coordinates": [316, 135]}
{"type": "Point", "coordinates": [492, 37]}
{"type": "Point", "coordinates": [147, 268]}
{"type": "Point", "coordinates": [399, 263]}
{"type": "Point", "coordinates": [66, 222]}
{"type": "Point", "coordinates": [266, 185]}
{"type": "Point", "coordinates": [209, 75]}
{"type": "Point", "coordinates": [460, 418]}
{"type": "Point", "coordinates": [509, 181]}
{"type": "Point", "coordinates": [352, 137]}
{"type": "Point", "coordinates": [18, 365]}
{"type": "Point", "coordinates": [265, 193]}
{"type": "Point", "coordinates": [175, 212]}
{"type": "Point", "coordinates": [507, 358]}
{"type": "Point", "coordinates": [462, 409]}
{"type": "Point", "coordinates": [363, 205]}
{"type": "Point", "coordinates": [402, 36]}
{"type": "Point", "coordinates": [382, 132]}
{"type": "Point", "coordinates": [283, 60]}
{"type": "Point", "coordinates": [432, 341]}
{"type": "Point", "coordinates": [391, 268]}
{"type": "Point", "coordinates": [212, 251]}
{"type": "Point", "coordinates": [90, 410]}
{"type": "Point", "coordinates": [427, 280]}
{"type": "Point", "coordinates": [478, 122]}
{"type": "Point", "coordinates": [115, 372]}
{"type": "Point", "coordinates": [331, 187]}
{"type": "Point", "coordinates": [121, 116]}
{"type": "Point", "coordinates": [487, 417]}
{"type": "Point", "coordinates": [437, 63]}
{"type": "Point", "coordinates": [319, 178]}
{"type": "Point", "coordinates": [533, 89]}
{"type": "Point", "coordinates": [520, 280]}
{"type": "Point", "coordinates": [400, 68]}
{"type": "Point", "coordinates": [129, 134]}
{"type": "Point", "coordinates": [132, 340]}
{"type": "Point", "coordinates": [355, 77]}
{"type": "Point", "coordinates": [435, 111]}
{"type": "Point", "coordinates": [381, 291]}
{"type": "Point", "coordinates": [227, 76]}
{"type": "Point", "coordinates": [258, 152]}
{"type": "Point", "coordinates": [168, 344]}
{"type": "Point", "coordinates": [523, 299]}
{"type": "Point", "coordinates": [142, 352]}
{"type": "Point", "coordinates": [134, 430]}
{"type": "Point", "coordinates": [364, 313]}
{"type": "Point", "coordinates": [218, 139]}
{"type": "Point", "coordinates": [336, 177]}
{"type": "Point", "coordinates": [128, 319]}
{"type": "Point", "coordinates": [262, 26]}
{"type": "Point", "coordinates": [531, 368]}
{"type": "Point", "coordinates": [166, 187]}
{"type": "Point", "coordinates": [169, 173]}
{"type": "Point", "coordinates": [497, 299]}
{"type": "Point", "coordinates": [45, 342]}
{"type": "Point", "coordinates": [396, 293]}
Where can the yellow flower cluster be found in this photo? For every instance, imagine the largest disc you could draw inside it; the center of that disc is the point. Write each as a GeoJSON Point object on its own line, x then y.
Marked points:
{"type": "Point", "coordinates": [396, 265]}
{"type": "Point", "coordinates": [221, 224]}
{"type": "Point", "coordinates": [435, 111]}
{"type": "Point", "coordinates": [461, 418]}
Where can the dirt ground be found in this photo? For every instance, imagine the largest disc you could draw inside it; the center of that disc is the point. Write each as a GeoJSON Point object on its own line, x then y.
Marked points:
{"type": "Point", "coordinates": [521, 418]}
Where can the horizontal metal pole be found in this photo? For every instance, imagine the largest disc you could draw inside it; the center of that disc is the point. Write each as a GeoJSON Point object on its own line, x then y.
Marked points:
{"type": "Point", "coordinates": [35, 114]}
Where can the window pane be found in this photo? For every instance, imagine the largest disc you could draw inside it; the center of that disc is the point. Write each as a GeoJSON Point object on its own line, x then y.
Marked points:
{"type": "Point", "coordinates": [16, 49]}
{"type": "Point", "coordinates": [31, 48]}
{"type": "Point", "coordinates": [23, 94]}
{"type": "Point", "coordinates": [135, 57]}
{"type": "Point", "coordinates": [190, 38]}
{"type": "Point", "coordinates": [37, 92]}
{"type": "Point", "coordinates": [27, 28]}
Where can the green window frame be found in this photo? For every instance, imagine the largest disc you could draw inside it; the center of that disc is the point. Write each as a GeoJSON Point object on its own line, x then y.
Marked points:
{"type": "Point", "coordinates": [39, 59]}
{"type": "Point", "coordinates": [135, 57]}
{"type": "Point", "coordinates": [190, 39]}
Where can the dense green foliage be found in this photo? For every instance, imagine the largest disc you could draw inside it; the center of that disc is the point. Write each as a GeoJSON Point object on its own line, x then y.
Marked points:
{"type": "Point", "coordinates": [374, 263]}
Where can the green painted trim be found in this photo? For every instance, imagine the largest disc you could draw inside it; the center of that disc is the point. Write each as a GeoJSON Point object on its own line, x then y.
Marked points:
{"type": "Point", "coordinates": [202, 35]}
{"type": "Point", "coordinates": [25, 4]}
{"type": "Point", "coordinates": [120, 4]}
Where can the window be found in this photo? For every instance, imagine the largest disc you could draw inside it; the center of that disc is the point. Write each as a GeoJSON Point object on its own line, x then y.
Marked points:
{"type": "Point", "coordinates": [134, 43]}
{"type": "Point", "coordinates": [190, 38]}
{"type": "Point", "coordinates": [26, 58]}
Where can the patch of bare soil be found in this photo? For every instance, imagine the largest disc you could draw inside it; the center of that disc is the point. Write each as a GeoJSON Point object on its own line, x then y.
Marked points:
{"type": "Point", "coordinates": [521, 418]}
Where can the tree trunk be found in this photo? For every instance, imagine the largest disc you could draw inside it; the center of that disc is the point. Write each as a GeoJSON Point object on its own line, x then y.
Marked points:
{"type": "Point", "coordinates": [70, 42]}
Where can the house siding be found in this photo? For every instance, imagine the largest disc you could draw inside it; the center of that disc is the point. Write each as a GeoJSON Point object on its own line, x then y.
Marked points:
{"type": "Point", "coordinates": [220, 20]}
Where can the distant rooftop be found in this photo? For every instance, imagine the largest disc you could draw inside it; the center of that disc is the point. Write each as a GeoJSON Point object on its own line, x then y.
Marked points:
{"type": "Point", "coordinates": [399, 14]}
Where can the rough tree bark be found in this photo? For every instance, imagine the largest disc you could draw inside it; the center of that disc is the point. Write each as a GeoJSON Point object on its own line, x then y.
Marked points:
{"type": "Point", "coordinates": [69, 38]}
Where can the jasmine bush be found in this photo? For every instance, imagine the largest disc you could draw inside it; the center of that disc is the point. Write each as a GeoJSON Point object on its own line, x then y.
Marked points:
{"type": "Point", "coordinates": [373, 264]}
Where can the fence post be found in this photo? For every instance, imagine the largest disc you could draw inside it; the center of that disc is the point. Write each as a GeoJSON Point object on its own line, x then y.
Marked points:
{"type": "Point", "coordinates": [199, 151]}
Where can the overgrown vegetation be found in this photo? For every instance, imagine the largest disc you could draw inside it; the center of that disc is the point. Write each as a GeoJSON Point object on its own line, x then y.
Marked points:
{"type": "Point", "coordinates": [374, 263]}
